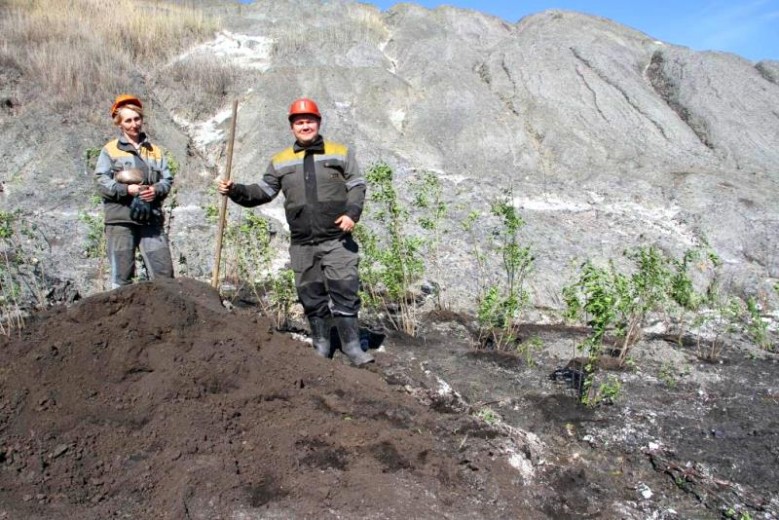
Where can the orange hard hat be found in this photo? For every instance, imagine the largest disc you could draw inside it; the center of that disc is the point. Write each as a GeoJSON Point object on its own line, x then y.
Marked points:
{"type": "Point", "coordinates": [125, 99]}
{"type": "Point", "coordinates": [304, 106]}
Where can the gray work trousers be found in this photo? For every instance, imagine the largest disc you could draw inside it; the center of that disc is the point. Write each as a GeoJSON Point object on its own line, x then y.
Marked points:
{"type": "Point", "coordinates": [123, 239]}
{"type": "Point", "coordinates": [326, 277]}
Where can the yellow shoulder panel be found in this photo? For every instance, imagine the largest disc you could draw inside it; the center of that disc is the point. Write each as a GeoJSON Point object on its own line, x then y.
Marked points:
{"type": "Point", "coordinates": [113, 150]}
{"type": "Point", "coordinates": [332, 148]}
{"type": "Point", "coordinates": [155, 152]}
{"type": "Point", "coordinates": [287, 155]}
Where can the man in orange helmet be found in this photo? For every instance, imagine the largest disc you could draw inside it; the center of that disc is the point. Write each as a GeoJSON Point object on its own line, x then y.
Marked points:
{"type": "Point", "coordinates": [133, 179]}
{"type": "Point", "coordinates": [324, 194]}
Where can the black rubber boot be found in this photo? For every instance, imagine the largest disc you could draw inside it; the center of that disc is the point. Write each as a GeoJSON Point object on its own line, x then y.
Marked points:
{"type": "Point", "coordinates": [349, 332]}
{"type": "Point", "coordinates": [320, 335]}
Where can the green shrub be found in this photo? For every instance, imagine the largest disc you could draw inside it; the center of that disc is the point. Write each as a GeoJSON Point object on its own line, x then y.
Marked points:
{"type": "Point", "coordinates": [391, 261]}
{"type": "Point", "coordinates": [427, 193]}
{"type": "Point", "coordinates": [529, 348]}
{"type": "Point", "coordinates": [249, 255]}
{"type": "Point", "coordinates": [501, 302]}
{"type": "Point", "coordinates": [616, 303]}
{"type": "Point", "coordinates": [755, 327]}
{"type": "Point", "coordinates": [95, 246]}
{"type": "Point", "coordinates": [281, 296]}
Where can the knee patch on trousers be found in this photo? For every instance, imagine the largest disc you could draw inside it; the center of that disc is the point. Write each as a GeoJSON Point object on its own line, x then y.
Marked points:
{"type": "Point", "coordinates": [344, 296]}
{"type": "Point", "coordinates": [313, 297]}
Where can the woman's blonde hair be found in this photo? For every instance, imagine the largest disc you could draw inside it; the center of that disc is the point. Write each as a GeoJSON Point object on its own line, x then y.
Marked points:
{"type": "Point", "coordinates": [134, 108]}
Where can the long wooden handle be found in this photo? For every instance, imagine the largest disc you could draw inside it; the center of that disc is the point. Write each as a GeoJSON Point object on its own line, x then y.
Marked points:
{"type": "Point", "coordinates": [223, 206]}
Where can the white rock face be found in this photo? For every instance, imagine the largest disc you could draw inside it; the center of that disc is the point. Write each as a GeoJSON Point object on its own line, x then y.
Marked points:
{"type": "Point", "coordinates": [248, 52]}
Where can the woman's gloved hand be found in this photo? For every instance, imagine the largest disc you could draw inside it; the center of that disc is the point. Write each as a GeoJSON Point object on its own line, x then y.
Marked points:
{"type": "Point", "coordinates": [140, 210]}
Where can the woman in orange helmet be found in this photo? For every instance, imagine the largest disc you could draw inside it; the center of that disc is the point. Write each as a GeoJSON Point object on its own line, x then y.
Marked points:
{"type": "Point", "coordinates": [133, 178]}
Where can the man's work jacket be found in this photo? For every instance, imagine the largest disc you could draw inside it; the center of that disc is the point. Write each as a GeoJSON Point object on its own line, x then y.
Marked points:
{"type": "Point", "coordinates": [320, 182]}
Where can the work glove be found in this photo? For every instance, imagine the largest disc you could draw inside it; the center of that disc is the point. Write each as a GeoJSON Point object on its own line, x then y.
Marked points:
{"type": "Point", "coordinates": [140, 210]}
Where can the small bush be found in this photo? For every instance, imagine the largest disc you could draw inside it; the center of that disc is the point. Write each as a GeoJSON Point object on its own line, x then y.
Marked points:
{"type": "Point", "coordinates": [428, 195]}
{"type": "Point", "coordinates": [248, 252]}
{"type": "Point", "coordinates": [95, 246]}
{"type": "Point", "coordinates": [248, 257]}
{"type": "Point", "coordinates": [500, 299]}
{"type": "Point", "coordinates": [391, 261]}
{"type": "Point", "coordinates": [281, 296]}
{"type": "Point", "coordinates": [755, 326]}
{"type": "Point", "coordinates": [617, 303]}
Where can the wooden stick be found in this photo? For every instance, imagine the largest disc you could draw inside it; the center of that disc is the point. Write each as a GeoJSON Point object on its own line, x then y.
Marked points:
{"type": "Point", "coordinates": [223, 207]}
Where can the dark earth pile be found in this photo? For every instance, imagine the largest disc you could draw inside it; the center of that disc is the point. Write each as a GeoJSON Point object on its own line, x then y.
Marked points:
{"type": "Point", "coordinates": [153, 401]}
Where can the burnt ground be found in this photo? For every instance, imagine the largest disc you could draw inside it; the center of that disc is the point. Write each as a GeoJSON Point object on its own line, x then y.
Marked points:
{"type": "Point", "coordinates": [154, 401]}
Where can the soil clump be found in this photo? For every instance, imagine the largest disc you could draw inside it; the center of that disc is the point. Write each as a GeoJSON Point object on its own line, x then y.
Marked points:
{"type": "Point", "coordinates": [154, 401]}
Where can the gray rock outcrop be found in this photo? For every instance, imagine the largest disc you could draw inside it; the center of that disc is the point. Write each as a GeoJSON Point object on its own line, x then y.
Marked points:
{"type": "Point", "coordinates": [604, 137]}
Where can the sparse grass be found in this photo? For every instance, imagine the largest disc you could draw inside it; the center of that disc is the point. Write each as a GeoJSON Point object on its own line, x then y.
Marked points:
{"type": "Point", "coordinates": [202, 84]}
{"type": "Point", "coordinates": [488, 415]}
{"type": "Point", "coordinates": [21, 272]}
{"type": "Point", "coordinates": [528, 350]}
{"type": "Point", "coordinates": [81, 52]}
{"type": "Point", "coordinates": [358, 25]}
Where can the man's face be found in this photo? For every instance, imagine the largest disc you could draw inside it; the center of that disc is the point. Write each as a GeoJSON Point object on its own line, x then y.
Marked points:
{"type": "Point", "coordinates": [305, 128]}
{"type": "Point", "coordinates": [131, 123]}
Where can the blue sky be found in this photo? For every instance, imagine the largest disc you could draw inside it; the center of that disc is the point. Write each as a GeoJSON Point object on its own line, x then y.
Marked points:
{"type": "Point", "coordinates": [749, 28]}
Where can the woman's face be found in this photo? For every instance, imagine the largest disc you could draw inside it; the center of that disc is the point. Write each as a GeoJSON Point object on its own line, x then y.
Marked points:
{"type": "Point", "coordinates": [131, 124]}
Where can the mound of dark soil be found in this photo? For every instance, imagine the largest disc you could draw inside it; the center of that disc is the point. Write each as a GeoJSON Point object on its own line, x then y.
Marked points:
{"type": "Point", "coordinates": [153, 401]}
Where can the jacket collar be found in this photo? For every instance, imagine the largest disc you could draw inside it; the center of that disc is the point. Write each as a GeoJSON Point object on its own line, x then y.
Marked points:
{"type": "Point", "coordinates": [126, 145]}
{"type": "Point", "coordinates": [318, 146]}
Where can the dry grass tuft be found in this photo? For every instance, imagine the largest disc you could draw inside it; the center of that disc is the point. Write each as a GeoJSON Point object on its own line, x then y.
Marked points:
{"type": "Point", "coordinates": [202, 84]}
{"type": "Point", "coordinates": [359, 24]}
{"type": "Point", "coordinates": [83, 51]}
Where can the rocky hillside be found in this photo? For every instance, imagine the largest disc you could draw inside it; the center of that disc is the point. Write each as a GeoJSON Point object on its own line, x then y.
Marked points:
{"type": "Point", "coordinates": [156, 400]}
{"type": "Point", "coordinates": [604, 137]}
